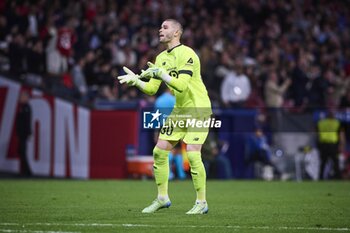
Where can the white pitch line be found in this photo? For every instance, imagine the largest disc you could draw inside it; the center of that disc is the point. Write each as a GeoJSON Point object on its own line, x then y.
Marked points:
{"type": "Point", "coordinates": [241, 227]}
{"type": "Point", "coordinates": [130, 225]}
{"type": "Point", "coordinates": [32, 231]}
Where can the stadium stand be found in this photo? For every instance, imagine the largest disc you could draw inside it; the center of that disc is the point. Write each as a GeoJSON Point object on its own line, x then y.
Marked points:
{"type": "Point", "coordinates": [74, 49]}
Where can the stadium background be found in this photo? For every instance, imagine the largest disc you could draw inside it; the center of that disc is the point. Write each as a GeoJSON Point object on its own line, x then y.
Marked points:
{"type": "Point", "coordinates": [67, 53]}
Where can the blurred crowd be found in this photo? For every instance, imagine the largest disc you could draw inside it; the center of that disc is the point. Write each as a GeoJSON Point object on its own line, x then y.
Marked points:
{"type": "Point", "coordinates": [255, 53]}
{"type": "Point", "coordinates": [265, 54]}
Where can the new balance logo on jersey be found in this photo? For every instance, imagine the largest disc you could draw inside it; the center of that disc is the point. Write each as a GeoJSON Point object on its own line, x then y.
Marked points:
{"type": "Point", "coordinates": [190, 61]}
{"type": "Point", "coordinates": [163, 63]}
{"type": "Point", "coordinates": [196, 139]}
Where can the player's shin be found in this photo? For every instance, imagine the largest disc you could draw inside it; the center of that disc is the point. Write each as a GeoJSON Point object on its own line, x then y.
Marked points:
{"type": "Point", "coordinates": [161, 171]}
{"type": "Point", "coordinates": [198, 174]}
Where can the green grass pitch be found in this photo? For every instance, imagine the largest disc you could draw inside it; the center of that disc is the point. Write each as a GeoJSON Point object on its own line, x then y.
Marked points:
{"type": "Point", "coordinates": [61, 206]}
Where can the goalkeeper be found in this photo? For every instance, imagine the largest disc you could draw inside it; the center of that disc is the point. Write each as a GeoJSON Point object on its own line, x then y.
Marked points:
{"type": "Point", "coordinates": [179, 67]}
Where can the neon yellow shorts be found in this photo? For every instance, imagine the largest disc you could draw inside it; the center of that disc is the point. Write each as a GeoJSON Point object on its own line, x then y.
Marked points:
{"type": "Point", "coordinates": [189, 135]}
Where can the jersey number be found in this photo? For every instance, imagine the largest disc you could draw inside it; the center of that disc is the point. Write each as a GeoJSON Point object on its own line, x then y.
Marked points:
{"type": "Point", "coordinates": [167, 130]}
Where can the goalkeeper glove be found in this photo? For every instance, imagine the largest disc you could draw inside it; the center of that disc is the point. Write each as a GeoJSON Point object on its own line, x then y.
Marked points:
{"type": "Point", "coordinates": [153, 72]}
{"type": "Point", "coordinates": [130, 78]}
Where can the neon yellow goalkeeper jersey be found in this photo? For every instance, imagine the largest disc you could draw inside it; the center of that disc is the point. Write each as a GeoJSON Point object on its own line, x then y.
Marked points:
{"type": "Point", "coordinates": [183, 64]}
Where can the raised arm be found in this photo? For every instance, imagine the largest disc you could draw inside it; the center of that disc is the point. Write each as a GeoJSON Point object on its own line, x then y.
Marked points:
{"type": "Point", "coordinates": [132, 79]}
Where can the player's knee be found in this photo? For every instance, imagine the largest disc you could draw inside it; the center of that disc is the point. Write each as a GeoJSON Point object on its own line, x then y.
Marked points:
{"type": "Point", "coordinates": [194, 147]}
{"type": "Point", "coordinates": [164, 145]}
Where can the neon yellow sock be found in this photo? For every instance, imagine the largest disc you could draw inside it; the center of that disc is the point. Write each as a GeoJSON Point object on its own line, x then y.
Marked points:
{"type": "Point", "coordinates": [161, 170]}
{"type": "Point", "coordinates": [198, 173]}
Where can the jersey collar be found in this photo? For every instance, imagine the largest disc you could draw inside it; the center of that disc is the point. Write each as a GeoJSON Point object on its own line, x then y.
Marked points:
{"type": "Point", "coordinates": [173, 48]}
